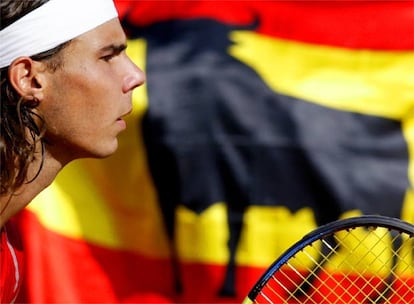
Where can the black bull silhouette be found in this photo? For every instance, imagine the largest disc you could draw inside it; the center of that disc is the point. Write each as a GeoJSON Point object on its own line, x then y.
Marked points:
{"type": "Point", "coordinates": [215, 132]}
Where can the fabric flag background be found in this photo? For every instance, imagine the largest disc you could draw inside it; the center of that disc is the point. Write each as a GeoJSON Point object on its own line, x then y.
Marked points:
{"type": "Point", "coordinates": [260, 120]}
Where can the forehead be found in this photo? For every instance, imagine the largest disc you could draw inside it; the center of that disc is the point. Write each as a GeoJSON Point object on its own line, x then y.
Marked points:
{"type": "Point", "coordinates": [109, 33]}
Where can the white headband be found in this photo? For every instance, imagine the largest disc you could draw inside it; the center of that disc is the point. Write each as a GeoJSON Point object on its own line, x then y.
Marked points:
{"type": "Point", "coordinates": [52, 24]}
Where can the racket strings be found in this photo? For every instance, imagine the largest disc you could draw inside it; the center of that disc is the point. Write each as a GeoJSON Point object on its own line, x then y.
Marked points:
{"type": "Point", "coordinates": [363, 269]}
{"type": "Point", "coordinates": [358, 265]}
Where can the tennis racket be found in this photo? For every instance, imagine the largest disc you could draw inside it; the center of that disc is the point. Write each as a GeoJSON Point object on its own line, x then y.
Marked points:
{"type": "Point", "coordinates": [365, 259]}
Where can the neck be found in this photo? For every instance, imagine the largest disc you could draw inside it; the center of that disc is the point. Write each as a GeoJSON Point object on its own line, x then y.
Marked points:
{"type": "Point", "coordinates": [12, 204]}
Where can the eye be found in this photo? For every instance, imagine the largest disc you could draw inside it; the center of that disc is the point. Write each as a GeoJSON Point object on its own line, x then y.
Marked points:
{"type": "Point", "coordinates": [111, 51]}
{"type": "Point", "coordinates": [108, 57]}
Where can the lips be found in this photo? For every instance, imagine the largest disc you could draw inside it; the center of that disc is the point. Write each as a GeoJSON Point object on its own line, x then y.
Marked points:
{"type": "Point", "coordinates": [125, 114]}
{"type": "Point", "coordinates": [120, 121]}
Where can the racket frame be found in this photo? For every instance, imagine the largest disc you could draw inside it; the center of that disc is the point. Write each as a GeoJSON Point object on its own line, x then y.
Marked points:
{"type": "Point", "coordinates": [325, 230]}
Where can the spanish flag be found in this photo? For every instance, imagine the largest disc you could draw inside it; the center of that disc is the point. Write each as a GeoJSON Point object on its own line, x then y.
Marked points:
{"type": "Point", "coordinates": [260, 121]}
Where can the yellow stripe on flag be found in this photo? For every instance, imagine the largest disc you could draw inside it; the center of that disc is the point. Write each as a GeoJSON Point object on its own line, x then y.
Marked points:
{"type": "Point", "coordinates": [269, 231]}
{"type": "Point", "coordinates": [362, 81]}
{"type": "Point", "coordinates": [407, 212]}
{"type": "Point", "coordinates": [408, 131]}
{"type": "Point", "coordinates": [203, 237]}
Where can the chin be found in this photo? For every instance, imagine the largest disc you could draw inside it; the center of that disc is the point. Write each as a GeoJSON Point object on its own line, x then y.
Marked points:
{"type": "Point", "coordinates": [109, 152]}
{"type": "Point", "coordinates": [105, 150]}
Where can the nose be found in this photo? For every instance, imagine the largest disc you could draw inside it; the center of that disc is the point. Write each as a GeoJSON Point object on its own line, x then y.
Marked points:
{"type": "Point", "coordinates": [134, 78]}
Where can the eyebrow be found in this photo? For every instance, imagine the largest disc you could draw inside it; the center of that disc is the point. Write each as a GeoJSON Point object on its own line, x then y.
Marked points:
{"type": "Point", "coordinates": [116, 48]}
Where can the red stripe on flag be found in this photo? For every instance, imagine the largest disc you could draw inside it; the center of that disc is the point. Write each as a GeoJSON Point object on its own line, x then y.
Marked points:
{"type": "Point", "coordinates": [61, 269]}
{"type": "Point", "coordinates": [381, 25]}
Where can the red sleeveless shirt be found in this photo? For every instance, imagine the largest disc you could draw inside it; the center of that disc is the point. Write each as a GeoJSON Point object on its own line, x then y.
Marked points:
{"type": "Point", "coordinates": [11, 263]}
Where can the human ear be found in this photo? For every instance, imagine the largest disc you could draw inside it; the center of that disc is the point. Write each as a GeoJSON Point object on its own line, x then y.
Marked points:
{"type": "Point", "coordinates": [25, 77]}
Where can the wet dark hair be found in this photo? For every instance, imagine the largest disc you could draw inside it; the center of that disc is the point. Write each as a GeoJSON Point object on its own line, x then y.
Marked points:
{"type": "Point", "coordinates": [21, 124]}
